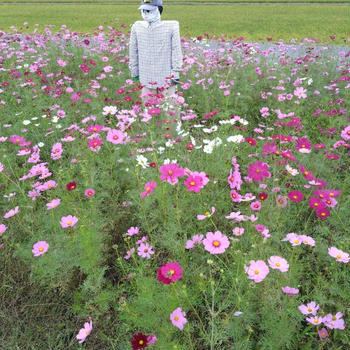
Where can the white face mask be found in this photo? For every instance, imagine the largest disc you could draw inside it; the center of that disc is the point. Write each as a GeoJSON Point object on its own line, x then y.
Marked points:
{"type": "Point", "coordinates": [151, 16]}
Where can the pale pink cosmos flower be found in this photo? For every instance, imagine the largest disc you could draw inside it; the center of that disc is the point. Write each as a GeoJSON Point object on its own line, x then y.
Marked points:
{"type": "Point", "coordinates": [133, 231]}
{"type": "Point", "coordinates": [334, 321]}
{"type": "Point", "coordinates": [68, 221]}
{"type": "Point", "coordinates": [53, 204]}
{"type": "Point", "coordinates": [216, 243]}
{"type": "Point", "coordinates": [84, 332]}
{"type": "Point", "coordinates": [11, 213]}
{"type": "Point", "coordinates": [307, 240]}
{"type": "Point", "coordinates": [238, 231]}
{"type": "Point", "coordinates": [256, 205]}
{"type": "Point", "coordinates": [115, 136]}
{"type": "Point", "coordinates": [345, 134]}
{"type": "Point", "coordinates": [278, 263]}
{"type": "Point", "coordinates": [129, 253]}
{"type": "Point", "coordinates": [339, 255]}
{"type": "Point", "coordinates": [142, 239]}
{"type": "Point", "coordinates": [290, 290]}
{"type": "Point", "coordinates": [316, 320]}
{"type": "Point", "coordinates": [293, 238]}
{"type": "Point", "coordinates": [310, 308]}
{"type": "Point", "coordinates": [145, 250]}
{"type": "Point", "coordinates": [257, 271]}
{"type": "Point", "coordinates": [237, 216]}
{"type": "Point", "coordinates": [40, 248]}
{"type": "Point", "coordinates": [196, 240]}
{"type": "Point", "coordinates": [207, 214]}
{"type": "Point", "coordinates": [300, 92]}
{"type": "Point", "coordinates": [178, 319]}
{"type": "Point", "coordinates": [3, 228]}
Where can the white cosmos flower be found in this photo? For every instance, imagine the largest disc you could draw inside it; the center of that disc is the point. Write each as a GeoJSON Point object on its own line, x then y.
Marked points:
{"type": "Point", "coordinates": [243, 121]}
{"type": "Point", "coordinates": [26, 122]}
{"type": "Point", "coordinates": [310, 81]}
{"type": "Point", "coordinates": [160, 150]}
{"type": "Point", "coordinates": [34, 118]}
{"type": "Point", "coordinates": [109, 110]}
{"type": "Point", "coordinates": [142, 161]}
{"type": "Point", "coordinates": [210, 130]}
{"type": "Point", "coordinates": [304, 150]}
{"type": "Point", "coordinates": [208, 149]}
{"type": "Point", "coordinates": [292, 171]}
{"type": "Point", "coordinates": [235, 138]}
{"type": "Point", "coordinates": [41, 144]}
{"type": "Point", "coordinates": [55, 119]}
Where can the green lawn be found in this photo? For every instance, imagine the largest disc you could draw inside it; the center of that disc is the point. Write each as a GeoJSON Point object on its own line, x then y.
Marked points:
{"type": "Point", "coordinates": [168, 2]}
{"type": "Point", "coordinates": [254, 22]}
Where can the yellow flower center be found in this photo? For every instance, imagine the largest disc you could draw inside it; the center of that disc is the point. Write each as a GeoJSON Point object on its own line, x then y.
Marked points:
{"type": "Point", "coordinates": [176, 318]}
{"type": "Point", "coordinates": [148, 189]}
{"type": "Point", "coordinates": [323, 214]}
{"type": "Point", "coordinates": [69, 222]}
{"type": "Point", "coordinates": [338, 256]}
{"type": "Point", "coordinates": [309, 309]}
{"type": "Point", "coordinates": [323, 334]}
{"type": "Point", "coordinates": [331, 194]}
{"type": "Point", "coordinates": [334, 318]}
{"type": "Point", "coordinates": [256, 272]}
{"type": "Point", "coordinates": [278, 264]}
{"type": "Point", "coordinates": [295, 197]}
{"type": "Point", "coordinates": [170, 172]}
{"type": "Point", "coordinates": [258, 170]}
{"type": "Point", "coordinates": [41, 249]}
{"type": "Point", "coordinates": [316, 204]}
{"type": "Point", "coordinates": [115, 137]}
{"type": "Point", "coordinates": [192, 183]}
{"type": "Point", "coordinates": [296, 241]}
{"type": "Point", "coordinates": [141, 342]}
{"type": "Point", "coordinates": [306, 172]}
{"type": "Point", "coordinates": [216, 243]}
{"type": "Point", "coordinates": [316, 320]}
{"type": "Point", "coordinates": [172, 272]}
{"type": "Point", "coordinates": [207, 213]}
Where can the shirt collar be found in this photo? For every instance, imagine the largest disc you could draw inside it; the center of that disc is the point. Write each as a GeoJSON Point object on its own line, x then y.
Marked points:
{"type": "Point", "coordinates": [153, 24]}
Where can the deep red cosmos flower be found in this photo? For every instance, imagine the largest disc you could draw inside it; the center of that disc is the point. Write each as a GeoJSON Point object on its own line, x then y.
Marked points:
{"type": "Point", "coordinates": [71, 186]}
{"type": "Point", "coordinates": [262, 196]}
{"type": "Point", "coordinates": [139, 341]}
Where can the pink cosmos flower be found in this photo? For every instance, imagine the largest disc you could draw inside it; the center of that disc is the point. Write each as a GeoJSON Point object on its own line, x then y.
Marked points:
{"type": "Point", "coordinates": [345, 134]}
{"type": "Point", "coordinates": [235, 196]}
{"type": "Point", "coordinates": [257, 271]}
{"type": "Point", "coordinates": [295, 196]}
{"type": "Point", "coordinates": [334, 321]}
{"type": "Point", "coordinates": [149, 187]}
{"type": "Point", "coordinates": [133, 231]}
{"type": "Point", "coordinates": [178, 319]}
{"type": "Point", "coordinates": [68, 221]}
{"type": "Point", "coordinates": [196, 240]}
{"type": "Point", "coordinates": [194, 183]}
{"type": "Point", "coordinates": [316, 320]}
{"type": "Point", "coordinates": [316, 203]}
{"type": "Point", "coordinates": [129, 253]}
{"type": "Point", "coordinates": [256, 206]}
{"type": "Point", "coordinates": [258, 171]}
{"type": "Point", "coordinates": [310, 308]}
{"type": "Point", "coordinates": [216, 243]}
{"type": "Point", "coordinates": [89, 192]}
{"type": "Point", "coordinates": [300, 92]}
{"type": "Point", "coordinates": [323, 333]}
{"type": "Point", "coordinates": [278, 263]}
{"type": "Point", "coordinates": [169, 273]}
{"type": "Point", "coordinates": [145, 250]}
{"type": "Point", "coordinates": [11, 213]}
{"type": "Point", "coordinates": [281, 201]}
{"type": "Point", "coordinates": [115, 136]}
{"type": "Point", "coordinates": [290, 291]}
{"type": "Point", "coordinates": [40, 248]}
{"type": "Point", "coordinates": [84, 332]}
{"type": "Point", "coordinates": [322, 213]}
{"type": "Point", "coordinates": [94, 143]}
{"type": "Point", "coordinates": [238, 231]}
{"type": "Point", "coordinates": [53, 204]}
{"type": "Point", "coordinates": [207, 214]}
{"type": "Point", "coordinates": [3, 228]}
{"type": "Point", "coordinates": [307, 240]}
{"type": "Point", "coordinates": [171, 172]}
{"type": "Point", "coordinates": [339, 255]}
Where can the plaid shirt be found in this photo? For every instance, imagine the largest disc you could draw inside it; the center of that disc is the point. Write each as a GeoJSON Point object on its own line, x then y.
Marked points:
{"type": "Point", "coordinates": [155, 52]}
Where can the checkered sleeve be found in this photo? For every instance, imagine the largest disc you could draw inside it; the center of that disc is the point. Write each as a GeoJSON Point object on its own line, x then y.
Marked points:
{"type": "Point", "coordinates": [176, 52]}
{"type": "Point", "coordinates": [133, 53]}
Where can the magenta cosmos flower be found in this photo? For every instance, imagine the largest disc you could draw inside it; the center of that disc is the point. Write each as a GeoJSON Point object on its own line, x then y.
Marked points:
{"type": "Point", "coordinates": [169, 273]}
{"type": "Point", "coordinates": [278, 263]}
{"type": "Point", "coordinates": [194, 183]}
{"type": "Point", "coordinates": [68, 221]}
{"type": "Point", "coordinates": [84, 332]}
{"type": "Point", "coordinates": [171, 172]}
{"type": "Point", "coordinates": [3, 228]}
{"type": "Point", "coordinates": [40, 248]}
{"type": "Point", "coordinates": [295, 196]}
{"type": "Point", "coordinates": [258, 171]}
{"type": "Point", "coordinates": [257, 271]}
{"type": "Point", "coordinates": [178, 319]}
{"type": "Point", "coordinates": [339, 255]}
{"type": "Point", "coordinates": [149, 187]}
{"type": "Point", "coordinates": [216, 243]}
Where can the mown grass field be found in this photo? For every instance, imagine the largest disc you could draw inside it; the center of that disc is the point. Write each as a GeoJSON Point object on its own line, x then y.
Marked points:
{"type": "Point", "coordinates": [170, 2]}
{"type": "Point", "coordinates": [253, 22]}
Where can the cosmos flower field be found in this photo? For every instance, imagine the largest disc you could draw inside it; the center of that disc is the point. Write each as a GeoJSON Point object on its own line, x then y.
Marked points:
{"type": "Point", "coordinates": [223, 226]}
